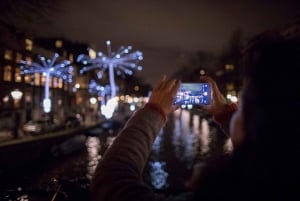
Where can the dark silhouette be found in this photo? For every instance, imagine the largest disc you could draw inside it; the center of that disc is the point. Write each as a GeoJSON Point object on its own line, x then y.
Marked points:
{"type": "Point", "coordinates": [264, 132]}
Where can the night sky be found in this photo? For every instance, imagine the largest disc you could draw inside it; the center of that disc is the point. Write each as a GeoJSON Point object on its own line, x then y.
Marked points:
{"type": "Point", "coordinates": [165, 30]}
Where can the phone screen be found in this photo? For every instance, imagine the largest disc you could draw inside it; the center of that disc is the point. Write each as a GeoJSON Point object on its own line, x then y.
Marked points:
{"type": "Point", "coordinates": [193, 94]}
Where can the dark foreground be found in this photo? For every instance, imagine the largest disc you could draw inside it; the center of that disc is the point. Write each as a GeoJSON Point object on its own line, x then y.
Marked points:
{"type": "Point", "coordinates": [64, 172]}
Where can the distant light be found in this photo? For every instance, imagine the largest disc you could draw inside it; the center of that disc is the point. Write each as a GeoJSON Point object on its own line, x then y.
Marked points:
{"type": "Point", "coordinates": [6, 99]}
{"type": "Point", "coordinates": [47, 105]}
{"type": "Point", "coordinates": [189, 106]}
{"type": "Point", "coordinates": [77, 85]}
{"type": "Point", "coordinates": [93, 100]}
{"type": "Point", "coordinates": [132, 108]}
{"type": "Point", "coordinates": [16, 94]}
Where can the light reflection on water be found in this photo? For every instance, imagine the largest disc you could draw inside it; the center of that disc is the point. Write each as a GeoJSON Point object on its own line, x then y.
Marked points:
{"type": "Point", "coordinates": [185, 139]}
{"type": "Point", "coordinates": [93, 146]}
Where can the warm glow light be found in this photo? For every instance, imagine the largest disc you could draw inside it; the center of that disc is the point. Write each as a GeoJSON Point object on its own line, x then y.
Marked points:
{"type": "Point", "coordinates": [77, 85]}
{"type": "Point", "coordinates": [16, 94]}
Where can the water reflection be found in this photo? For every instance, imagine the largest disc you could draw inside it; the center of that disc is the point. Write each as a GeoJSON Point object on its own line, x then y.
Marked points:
{"type": "Point", "coordinates": [186, 138]}
{"type": "Point", "coordinates": [93, 146]}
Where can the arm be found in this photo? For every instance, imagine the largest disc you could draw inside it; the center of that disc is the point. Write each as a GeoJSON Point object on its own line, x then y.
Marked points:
{"type": "Point", "coordinates": [119, 173]}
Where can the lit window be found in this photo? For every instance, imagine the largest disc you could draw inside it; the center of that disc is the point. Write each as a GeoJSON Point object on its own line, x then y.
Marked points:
{"type": "Point", "coordinates": [28, 60]}
{"type": "Point", "coordinates": [37, 79]}
{"type": "Point", "coordinates": [27, 79]}
{"type": "Point", "coordinates": [43, 80]}
{"type": "Point", "coordinates": [64, 54]}
{"type": "Point", "coordinates": [60, 83]}
{"type": "Point", "coordinates": [28, 44]}
{"type": "Point", "coordinates": [229, 67]}
{"type": "Point", "coordinates": [229, 86]}
{"type": "Point", "coordinates": [136, 88]}
{"type": "Point", "coordinates": [92, 53]}
{"type": "Point", "coordinates": [18, 77]}
{"type": "Point", "coordinates": [71, 57]}
{"type": "Point", "coordinates": [18, 58]}
{"type": "Point", "coordinates": [65, 86]}
{"type": "Point", "coordinates": [58, 43]}
{"type": "Point", "coordinates": [7, 73]}
{"type": "Point", "coordinates": [8, 55]}
{"type": "Point", "coordinates": [55, 82]}
{"type": "Point", "coordinates": [50, 82]}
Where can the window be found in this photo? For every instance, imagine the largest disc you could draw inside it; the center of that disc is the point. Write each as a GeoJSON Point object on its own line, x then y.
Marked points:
{"type": "Point", "coordinates": [7, 73]}
{"type": "Point", "coordinates": [37, 79]}
{"type": "Point", "coordinates": [71, 57]}
{"type": "Point", "coordinates": [18, 77]}
{"type": "Point", "coordinates": [28, 44]}
{"type": "Point", "coordinates": [8, 55]}
{"type": "Point", "coordinates": [43, 80]}
{"type": "Point", "coordinates": [18, 58]}
{"type": "Point", "coordinates": [229, 67]}
{"type": "Point", "coordinates": [28, 60]}
{"type": "Point", "coordinates": [58, 43]}
{"type": "Point", "coordinates": [60, 83]}
{"type": "Point", "coordinates": [55, 82]}
{"type": "Point", "coordinates": [27, 79]}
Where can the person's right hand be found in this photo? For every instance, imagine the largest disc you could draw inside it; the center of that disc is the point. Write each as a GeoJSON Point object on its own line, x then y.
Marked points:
{"type": "Point", "coordinates": [218, 103]}
{"type": "Point", "coordinates": [164, 93]}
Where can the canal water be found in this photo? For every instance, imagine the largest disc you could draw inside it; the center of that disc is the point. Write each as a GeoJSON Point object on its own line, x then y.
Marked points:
{"type": "Point", "coordinates": [189, 136]}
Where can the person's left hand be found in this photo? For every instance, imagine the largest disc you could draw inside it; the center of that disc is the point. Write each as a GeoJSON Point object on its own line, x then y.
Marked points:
{"type": "Point", "coordinates": [164, 93]}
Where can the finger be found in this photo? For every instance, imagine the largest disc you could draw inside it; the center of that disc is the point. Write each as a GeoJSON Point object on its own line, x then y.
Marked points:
{"type": "Point", "coordinates": [176, 87]}
{"type": "Point", "coordinates": [160, 82]}
{"type": "Point", "coordinates": [212, 83]}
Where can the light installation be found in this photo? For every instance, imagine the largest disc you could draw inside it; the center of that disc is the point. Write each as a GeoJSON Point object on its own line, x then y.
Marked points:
{"type": "Point", "coordinates": [95, 88]}
{"type": "Point", "coordinates": [49, 68]}
{"type": "Point", "coordinates": [121, 61]}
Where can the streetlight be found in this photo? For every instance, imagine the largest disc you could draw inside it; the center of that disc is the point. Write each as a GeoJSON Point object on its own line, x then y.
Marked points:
{"type": "Point", "coordinates": [17, 96]}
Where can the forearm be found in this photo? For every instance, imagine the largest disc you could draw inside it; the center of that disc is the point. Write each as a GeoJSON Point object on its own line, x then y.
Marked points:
{"type": "Point", "coordinates": [119, 174]}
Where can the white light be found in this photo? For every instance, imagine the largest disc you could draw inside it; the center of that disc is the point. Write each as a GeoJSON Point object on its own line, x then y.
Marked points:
{"type": "Point", "coordinates": [47, 105]}
{"type": "Point", "coordinates": [234, 99]}
{"type": "Point", "coordinates": [189, 106]}
{"type": "Point", "coordinates": [16, 94]}
{"type": "Point", "coordinates": [108, 109]}
{"type": "Point", "coordinates": [77, 86]}
{"type": "Point", "coordinates": [93, 100]}
{"type": "Point", "coordinates": [132, 108]}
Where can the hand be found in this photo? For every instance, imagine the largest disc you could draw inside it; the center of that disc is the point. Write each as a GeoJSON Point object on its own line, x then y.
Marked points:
{"type": "Point", "coordinates": [164, 93]}
{"type": "Point", "coordinates": [218, 103]}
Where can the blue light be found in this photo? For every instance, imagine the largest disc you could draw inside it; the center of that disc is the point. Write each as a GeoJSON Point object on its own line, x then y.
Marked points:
{"type": "Point", "coordinates": [120, 60]}
{"type": "Point", "coordinates": [49, 69]}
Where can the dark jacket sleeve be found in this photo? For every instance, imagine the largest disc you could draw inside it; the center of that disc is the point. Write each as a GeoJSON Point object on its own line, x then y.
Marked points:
{"type": "Point", "coordinates": [118, 175]}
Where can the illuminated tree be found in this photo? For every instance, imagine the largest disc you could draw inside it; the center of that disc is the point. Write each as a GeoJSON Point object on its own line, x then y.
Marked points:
{"type": "Point", "coordinates": [49, 68]}
{"type": "Point", "coordinates": [121, 61]}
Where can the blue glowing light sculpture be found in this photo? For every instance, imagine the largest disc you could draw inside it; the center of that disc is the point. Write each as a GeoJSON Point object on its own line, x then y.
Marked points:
{"type": "Point", "coordinates": [95, 88]}
{"type": "Point", "coordinates": [49, 68]}
{"type": "Point", "coordinates": [102, 91]}
{"type": "Point", "coordinates": [122, 61]}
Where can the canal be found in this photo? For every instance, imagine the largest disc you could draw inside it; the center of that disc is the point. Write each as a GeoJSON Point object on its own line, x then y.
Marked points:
{"type": "Point", "coordinates": [65, 174]}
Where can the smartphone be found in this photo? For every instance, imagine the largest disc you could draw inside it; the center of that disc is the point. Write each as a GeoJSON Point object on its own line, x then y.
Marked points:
{"type": "Point", "coordinates": [193, 94]}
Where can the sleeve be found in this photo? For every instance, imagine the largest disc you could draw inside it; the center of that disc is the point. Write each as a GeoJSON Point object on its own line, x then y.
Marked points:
{"type": "Point", "coordinates": [118, 176]}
